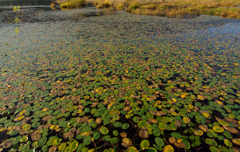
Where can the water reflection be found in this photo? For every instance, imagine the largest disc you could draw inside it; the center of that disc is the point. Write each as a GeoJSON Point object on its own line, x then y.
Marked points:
{"type": "Point", "coordinates": [25, 2]}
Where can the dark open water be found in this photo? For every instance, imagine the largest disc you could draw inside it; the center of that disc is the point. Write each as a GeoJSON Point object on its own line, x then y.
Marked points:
{"type": "Point", "coordinates": [25, 2]}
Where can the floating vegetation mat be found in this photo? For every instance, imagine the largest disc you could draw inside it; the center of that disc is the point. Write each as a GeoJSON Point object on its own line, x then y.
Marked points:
{"type": "Point", "coordinates": [120, 89]}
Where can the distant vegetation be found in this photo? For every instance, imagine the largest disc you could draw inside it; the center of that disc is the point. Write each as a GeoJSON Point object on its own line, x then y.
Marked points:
{"type": "Point", "coordinates": [229, 9]}
{"type": "Point", "coordinates": [71, 3]}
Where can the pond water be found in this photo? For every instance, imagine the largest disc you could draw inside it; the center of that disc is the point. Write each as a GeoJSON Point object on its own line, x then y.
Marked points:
{"type": "Point", "coordinates": [25, 2]}
{"type": "Point", "coordinates": [72, 76]}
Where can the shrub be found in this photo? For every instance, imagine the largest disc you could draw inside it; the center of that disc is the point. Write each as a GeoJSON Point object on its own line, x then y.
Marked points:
{"type": "Point", "coordinates": [134, 5]}
{"type": "Point", "coordinates": [119, 6]}
{"type": "Point", "coordinates": [64, 5]}
{"type": "Point", "coordinates": [224, 14]}
{"type": "Point", "coordinates": [162, 7]}
{"type": "Point", "coordinates": [107, 4]}
{"type": "Point", "coordinates": [74, 4]}
{"type": "Point", "coordinates": [152, 6]}
{"type": "Point", "coordinates": [80, 3]}
{"type": "Point", "coordinates": [232, 15]}
{"type": "Point", "coordinates": [99, 6]}
{"type": "Point", "coordinates": [203, 6]}
{"type": "Point", "coordinates": [128, 10]}
{"type": "Point", "coordinates": [190, 9]}
{"type": "Point", "coordinates": [95, 3]}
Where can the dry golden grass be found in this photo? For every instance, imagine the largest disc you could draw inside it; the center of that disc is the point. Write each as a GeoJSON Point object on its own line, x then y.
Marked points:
{"type": "Point", "coordinates": [147, 12]}
{"type": "Point", "coordinates": [220, 8]}
{"type": "Point", "coordinates": [120, 6]}
{"type": "Point", "coordinates": [107, 4]}
{"type": "Point", "coordinates": [99, 6]}
{"type": "Point", "coordinates": [134, 5]}
{"type": "Point", "coordinates": [168, 7]}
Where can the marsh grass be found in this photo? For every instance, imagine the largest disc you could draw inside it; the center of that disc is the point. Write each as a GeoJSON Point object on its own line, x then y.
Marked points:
{"type": "Point", "coordinates": [69, 4]}
{"type": "Point", "coordinates": [219, 8]}
{"type": "Point", "coordinates": [99, 6]}
{"type": "Point", "coordinates": [104, 4]}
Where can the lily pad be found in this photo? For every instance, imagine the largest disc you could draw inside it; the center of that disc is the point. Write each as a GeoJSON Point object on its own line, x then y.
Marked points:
{"type": "Point", "coordinates": [218, 129]}
{"type": "Point", "coordinates": [144, 144]}
{"type": "Point", "coordinates": [168, 148]}
{"type": "Point", "coordinates": [87, 140]}
{"type": "Point", "coordinates": [142, 123]}
{"type": "Point", "coordinates": [211, 142]}
{"type": "Point", "coordinates": [41, 141]}
{"type": "Point", "coordinates": [227, 142]}
{"type": "Point", "coordinates": [159, 141]}
{"type": "Point", "coordinates": [26, 127]}
{"type": "Point", "coordinates": [104, 130]}
{"type": "Point", "coordinates": [54, 141]}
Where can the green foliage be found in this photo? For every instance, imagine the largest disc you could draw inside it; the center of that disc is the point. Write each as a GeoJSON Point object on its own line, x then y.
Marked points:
{"type": "Point", "coordinates": [134, 5]}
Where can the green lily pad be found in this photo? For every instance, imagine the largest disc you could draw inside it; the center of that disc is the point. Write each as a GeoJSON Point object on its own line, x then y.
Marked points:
{"type": "Point", "coordinates": [54, 141]}
{"type": "Point", "coordinates": [87, 140]}
{"type": "Point", "coordinates": [41, 141]}
{"type": "Point", "coordinates": [214, 149]}
{"type": "Point", "coordinates": [156, 132]}
{"type": "Point", "coordinates": [24, 139]}
{"type": "Point", "coordinates": [17, 140]}
{"type": "Point", "coordinates": [62, 146]}
{"type": "Point", "coordinates": [135, 119]}
{"type": "Point", "coordinates": [73, 146]}
{"type": "Point", "coordinates": [125, 126]}
{"type": "Point", "coordinates": [211, 142]}
{"type": "Point", "coordinates": [23, 148]}
{"type": "Point", "coordinates": [218, 129]}
{"type": "Point", "coordinates": [176, 135]}
{"type": "Point", "coordinates": [227, 142]}
{"type": "Point", "coordinates": [144, 144]}
{"type": "Point", "coordinates": [114, 140]}
{"type": "Point", "coordinates": [96, 135]}
{"type": "Point", "coordinates": [115, 133]}
{"type": "Point", "coordinates": [162, 126]}
{"type": "Point", "coordinates": [117, 124]}
{"type": "Point", "coordinates": [159, 141]}
{"type": "Point", "coordinates": [104, 130]}
{"type": "Point", "coordinates": [107, 138]}
{"type": "Point", "coordinates": [80, 147]}
{"type": "Point", "coordinates": [132, 149]}
{"type": "Point", "coordinates": [142, 123]}
{"type": "Point", "coordinates": [86, 129]}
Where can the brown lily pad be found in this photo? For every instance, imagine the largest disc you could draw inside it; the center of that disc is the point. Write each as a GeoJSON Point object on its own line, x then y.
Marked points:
{"type": "Point", "coordinates": [143, 134]}
{"type": "Point", "coordinates": [46, 118]}
{"type": "Point", "coordinates": [231, 129]}
{"type": "Point", "coordinates": [98, 121]}
{"type": "Point", "coordinates": [178, 123]}
{"type": "Point", "coordinates": [204, 128]}
{"type": "Point", "coordinates": [126, 142]}
{"type": "Point", "coordinates": [35, 136]}
{"type": "Point", "coordinates": [52, 149]}
{"type": "Point", "coordinates": [151, 120]}
{"type": "Point", "coordinates": [172, 140]}
{"type": "Point", "coordinates": [68, 135]}
{"type": "Point", "coordinates": [6, 144]}
{"type": "Point", "coordinates": [123, 134]}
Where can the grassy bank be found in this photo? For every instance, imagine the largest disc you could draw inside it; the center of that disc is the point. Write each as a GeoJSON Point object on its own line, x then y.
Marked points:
{"type": "Point", "coordinates": [69, 4]}
{"type": "Point", "coordinates": [228, 9]}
